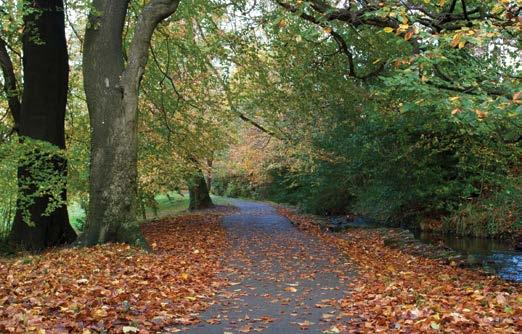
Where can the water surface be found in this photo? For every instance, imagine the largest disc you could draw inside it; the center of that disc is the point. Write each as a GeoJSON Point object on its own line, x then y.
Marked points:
{"type": "Point", "coordinates": [493, 256]}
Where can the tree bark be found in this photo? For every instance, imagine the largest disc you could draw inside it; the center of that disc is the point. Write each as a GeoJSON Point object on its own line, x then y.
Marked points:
{"type": "Point", "coordinates": [210, 161]}
{"type": "Point", "coordinates": [42, 117]}
{"type": "Point", "coordinates": [199, 197]}
{"type": "Point", "coordinates": [112, 91]}
{"type": "Point", "coordinates": [10, 85]}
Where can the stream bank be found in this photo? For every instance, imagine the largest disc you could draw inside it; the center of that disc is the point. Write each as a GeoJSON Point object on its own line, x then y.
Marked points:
{"type": "Point", "coordinates": [492, 256]}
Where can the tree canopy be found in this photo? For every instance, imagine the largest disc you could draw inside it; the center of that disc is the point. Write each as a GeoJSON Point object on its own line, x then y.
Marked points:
{"type": "Point", "coordinates": [399, 110]}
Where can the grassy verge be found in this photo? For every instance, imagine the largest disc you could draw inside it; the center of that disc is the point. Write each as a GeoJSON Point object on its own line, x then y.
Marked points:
{"type": "Point", "coordinates": [170, 205]}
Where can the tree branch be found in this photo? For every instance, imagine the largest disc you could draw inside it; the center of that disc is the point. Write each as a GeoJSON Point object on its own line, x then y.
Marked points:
{"type": "Point", "coordinates": [468, 90]}
{"type": "Point", "coordinates": [152, 14]}
{"type": "Point", "coordinates": [364, 15]}
{"type": "Point", "coordinates": [228, 94]}
{"type": "Point", "coordinates": [338, 38]}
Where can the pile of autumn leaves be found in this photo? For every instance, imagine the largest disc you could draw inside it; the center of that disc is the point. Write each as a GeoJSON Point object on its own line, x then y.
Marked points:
{"type": "Point", "coordinates": [395, 292]}
{"type": "Point", "coordinates": [116, 288]}
{"type": "Point", "coordinates": [121, 289]}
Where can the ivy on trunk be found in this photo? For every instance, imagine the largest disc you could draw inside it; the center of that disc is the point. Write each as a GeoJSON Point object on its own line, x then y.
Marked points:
{"type": "Point", "coordinates": [42, 117]}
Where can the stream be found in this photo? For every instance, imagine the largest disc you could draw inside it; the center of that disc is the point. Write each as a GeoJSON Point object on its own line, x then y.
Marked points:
{"type": "Point", "coordinates": [494, 256]}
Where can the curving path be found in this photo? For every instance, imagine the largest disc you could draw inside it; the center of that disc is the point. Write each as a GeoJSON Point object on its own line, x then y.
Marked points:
{"type": "Point", "coordinates": [284, 281]}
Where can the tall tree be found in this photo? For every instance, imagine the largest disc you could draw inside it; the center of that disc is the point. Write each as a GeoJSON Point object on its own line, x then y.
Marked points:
{"type": "Point", "coordinates": [112, 88]}
{"type": "Point", "coordinates": [199, 197]}
{"type": "Point", "coordinates": [42, 115]}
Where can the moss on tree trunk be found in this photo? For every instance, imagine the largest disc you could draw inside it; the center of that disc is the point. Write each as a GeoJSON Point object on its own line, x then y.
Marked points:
{"type": "Point", "coordinates": [42, 117]}
{"type": "Point", "coordinates": [198, 192]}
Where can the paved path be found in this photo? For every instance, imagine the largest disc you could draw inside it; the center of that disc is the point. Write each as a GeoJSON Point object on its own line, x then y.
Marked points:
{"type": "Point", "coordinates": [284, 280]}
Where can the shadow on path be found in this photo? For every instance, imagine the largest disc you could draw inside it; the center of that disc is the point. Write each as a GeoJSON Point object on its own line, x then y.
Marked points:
{"type": "Point", "coordinates": [283, 280]}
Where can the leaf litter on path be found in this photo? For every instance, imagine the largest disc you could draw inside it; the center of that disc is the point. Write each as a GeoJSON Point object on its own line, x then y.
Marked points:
{"type": "Point", "coordinates": [281, 274]}
{"type": "Point", "coordinates": [121, 289]}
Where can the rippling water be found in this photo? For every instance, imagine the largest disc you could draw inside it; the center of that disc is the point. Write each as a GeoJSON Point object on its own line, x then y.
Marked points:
{"type": "Point", "coordinates": [493, 255]}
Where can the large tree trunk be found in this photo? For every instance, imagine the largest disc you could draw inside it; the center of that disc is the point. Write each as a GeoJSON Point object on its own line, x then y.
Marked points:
{"type": "Point", "coordinates": [112, 201]}
{"type": "Point", "coordinates": [112, 98]}
{"type": "Point", "coordinates": [199, 197]}
{"type": "Point", "coordinates": [42, 116]}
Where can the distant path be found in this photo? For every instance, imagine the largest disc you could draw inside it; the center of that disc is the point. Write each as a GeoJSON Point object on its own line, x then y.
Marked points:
{"type": "Point", "coordinates": [285, 281]}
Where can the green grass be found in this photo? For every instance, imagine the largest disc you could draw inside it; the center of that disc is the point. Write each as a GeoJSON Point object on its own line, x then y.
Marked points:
{"type": "Point", "coordinates": [166, 207]}
{"type": "Point", "coordinates": [76, 215]}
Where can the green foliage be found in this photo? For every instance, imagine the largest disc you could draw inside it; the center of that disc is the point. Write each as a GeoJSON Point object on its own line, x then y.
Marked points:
{"type": "Point", "coordinates": [236, 186]}
{"type": "Point", "coordinates": [37, 159]}
{"type": "Point", "coordinates": [436, 135]}
{"type": "Point", "coordinates": [433, 131]}
{"type": "Point", "coordinates": [407, 161]}
{"type": "Point", "coordinates": [497, 215]}
{"type": "Point", "coordinates": [183, 108]}
{"type": "Point", "coordinates": [8, 186]}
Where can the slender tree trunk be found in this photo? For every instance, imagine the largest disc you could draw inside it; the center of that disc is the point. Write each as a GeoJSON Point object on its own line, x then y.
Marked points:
{"type": "Point", "coordinates": [112, 98]}
{"type": "Point", "coordinates": [10, 85]}
{"type": "Point", "coordinates": [42, 117]}
{"type": "Point", "coordinates": [198, 192]}
{"type": "Point", "coordinates": [209, 174]}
